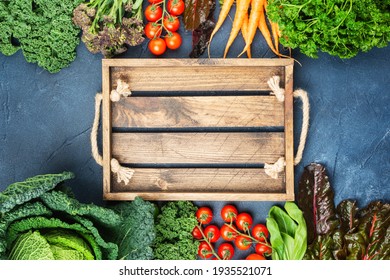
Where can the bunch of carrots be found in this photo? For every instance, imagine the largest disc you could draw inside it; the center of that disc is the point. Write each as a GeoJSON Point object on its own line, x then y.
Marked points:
{"type": "Point", "coordinates": [248, 23]}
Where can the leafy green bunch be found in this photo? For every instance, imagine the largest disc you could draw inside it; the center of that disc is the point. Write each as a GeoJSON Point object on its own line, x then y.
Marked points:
{"type": "Point", "coordinates": [110, 25]}
{"type": "Point", "coordinates": [174, 227]}
{"type": "Point", "coordinates": [339, 27]}
{"type": "Point", "coordinates": [40, 219]}
{"type": "Point", "coordinates": [42, 29]}
{"type": "Point", "coordinates": [345, 231]}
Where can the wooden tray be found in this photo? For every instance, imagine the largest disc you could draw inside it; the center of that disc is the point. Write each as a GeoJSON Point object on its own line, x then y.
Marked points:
{"type": "Point", "coordinates": [198, 129]}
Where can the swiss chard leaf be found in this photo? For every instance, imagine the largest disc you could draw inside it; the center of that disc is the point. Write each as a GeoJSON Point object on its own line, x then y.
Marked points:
{"type": "Point", "coordinates": [196, 12]}
{"type": "Point", "coordinates": [347, 211]}
{"type": "Point", "coordinates": [320, 249]}
{"type": "Point", "coordinates": [21, 192]}
{"type": "Point", "coordinates": [201, 35]}
{"type": "Point", "coordinates": [315, 198]}
{"type": "Point", "coordinates": [371, 240]}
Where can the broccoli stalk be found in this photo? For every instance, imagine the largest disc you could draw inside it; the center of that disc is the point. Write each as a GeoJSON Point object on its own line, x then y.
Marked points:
{"type": "Point", "coordinates": [110, 25]}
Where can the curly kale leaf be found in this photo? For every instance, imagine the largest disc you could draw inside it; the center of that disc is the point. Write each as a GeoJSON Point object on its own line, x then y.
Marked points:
{"type": "Point", "coordinates": [21, 192]}
{"type": "Point", "coordinates": [339, 27]}
{"type": "Point", "coordinates": [136, 234]}
{"type": "Point", "coordinates": [43, 29]}
{"type": "Point", "coordinates": [174, 225]}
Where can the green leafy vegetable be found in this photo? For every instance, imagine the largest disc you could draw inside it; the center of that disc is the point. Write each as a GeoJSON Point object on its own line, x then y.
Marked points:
{"type": "Point", "coordinates": [109, 25]}
{"type": "Point", "coordinates": [136, 234]}
{"type": "Point", "coordinates": [354, 234]}
{"type": "Point", "coordinates": [34, 212]}
{"type": "Point", "coordinates": [43, 29]}
{"type": "Point", "coordinates": [338, 27]}
{"type": "Point", "coordinates": [174, 225]}
{"type": "Point", "coordinates": [21, 192]}
{"type": "Point", "coordinates": [288, 232]}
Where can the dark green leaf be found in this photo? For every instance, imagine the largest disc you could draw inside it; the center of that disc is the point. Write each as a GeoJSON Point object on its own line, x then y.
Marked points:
{"type": "Point", "coordinates": [59, 201]}
{"type": "Point", "coordinates": [315, 198]}
{"type": "Point", "coordinates": [196, 12]}
{"type": "Point", "coordinates": [320, 249]}
{"type": "Point", "coordinates": [135, 235]}
{"type": "Point", "coordinates": [21, 192]}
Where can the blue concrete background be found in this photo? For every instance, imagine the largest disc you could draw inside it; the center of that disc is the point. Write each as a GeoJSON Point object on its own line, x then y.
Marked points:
{"type": "Point", "coordinates": [45, 119]}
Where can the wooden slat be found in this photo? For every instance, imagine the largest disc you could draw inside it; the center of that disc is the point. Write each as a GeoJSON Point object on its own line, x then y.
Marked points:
{"type": "Point", "coordinates": [203, 196]}
{"type": "Point", "coordinates": [209, 62]}
{"type": "Point", "coordinates": [206, 78]}
{"type": "Point", "coordinates": [205, 111]}
{"type": "Point", "coordinates": [289, 131]}
{"type": "Point", "coordinates": [197, 147]}
{"type": "Point", "coordinates": [199, 180]}
{"type": "Point", "coordinates": [106, 120]}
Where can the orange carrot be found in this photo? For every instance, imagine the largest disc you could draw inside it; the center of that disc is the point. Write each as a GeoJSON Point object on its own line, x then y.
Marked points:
{"type": "Point", "coordinates": [256, 9]}
{"type": "Point", "coordinates": [244, 31]}
{"type": "Point", "coordinates": [241, 9]}
{"type": "Point", "coordinates": [227, 4]}
{"type": "Point", "coordinates": [275, 34]}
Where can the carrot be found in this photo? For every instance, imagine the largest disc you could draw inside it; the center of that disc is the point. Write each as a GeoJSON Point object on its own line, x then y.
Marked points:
{"type": "Point", "coordinates": [275, 34]}
{"type": "Point", "coordinates": [227, 4]}
{"type": "Point", "coordinates": [244, 31]}
{"type": "Point", "coordinates": [256, 9]}
{"type": "Point", "coordinates": [241, 9]}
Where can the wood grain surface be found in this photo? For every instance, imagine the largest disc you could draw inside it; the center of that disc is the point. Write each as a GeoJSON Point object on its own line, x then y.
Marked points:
{"type": "Point", "coordinates": [199, 180]}
{"type": "Point", "coordinates": [199, 111]}
{"type": "Point", "coordinates": [165, 78]}
{"type": "Point", "coordinates": [197, 147]}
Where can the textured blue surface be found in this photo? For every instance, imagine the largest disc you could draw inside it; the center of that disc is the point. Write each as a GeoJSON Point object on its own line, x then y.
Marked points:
{"type": "Point", "coordinates": [45, 120]}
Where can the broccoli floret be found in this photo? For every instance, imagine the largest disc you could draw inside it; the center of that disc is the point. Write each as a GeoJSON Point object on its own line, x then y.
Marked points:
{"type": "Point", "coordinates": [43, 29]}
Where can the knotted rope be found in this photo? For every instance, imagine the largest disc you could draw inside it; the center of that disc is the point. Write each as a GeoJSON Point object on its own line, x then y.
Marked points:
{"type": "Point", "coordinates": [123, 173]}
{"type": "Point", "coordinates": [273, 170]}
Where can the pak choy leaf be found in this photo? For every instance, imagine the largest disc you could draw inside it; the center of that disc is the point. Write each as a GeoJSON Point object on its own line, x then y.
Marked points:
{"type": "Point", "coordinates": [196, 12]}
{"type": "Point", "coordinates": [21, 192]}
{"type": "Point", "coordinates": [316, 199]}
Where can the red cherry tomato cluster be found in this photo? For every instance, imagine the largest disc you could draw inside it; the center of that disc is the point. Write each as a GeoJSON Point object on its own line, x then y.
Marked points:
{"type": "Point", "coordinates": [162, 16]}
{"type": "Point", "coordinates": [238, 229]}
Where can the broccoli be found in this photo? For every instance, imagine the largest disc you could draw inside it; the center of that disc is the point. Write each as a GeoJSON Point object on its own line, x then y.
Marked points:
{"type": "Point", "coordinates": [110, 25]}
{"type": "Point", "coordinates": [42, 29]}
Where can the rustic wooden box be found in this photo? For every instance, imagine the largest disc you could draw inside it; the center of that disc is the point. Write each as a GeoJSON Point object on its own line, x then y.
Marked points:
{"type": "Point", "coordinates": [198, 129]}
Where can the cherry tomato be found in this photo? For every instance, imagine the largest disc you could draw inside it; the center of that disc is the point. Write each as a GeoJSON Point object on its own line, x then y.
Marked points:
{"type": "Point", "coordinates": [204, 250]}
{"type": "Point", "coordinates": [260, 232]}
{"type": "Point", "coordinates": [157, 46]}
{"type": "Point", "coordinates": [244, 221]}
{"type": "Point", "coordinates": [229, 213]}
{"type": "Point", "coordinates": [196, 233]}
{"type": "Point", "coordinates": [242, 242]}
{"type": "Point", "coordinates": [175, 7]}
{"type": "Point", "coordinates": [171, 23]}
{"type": "Point", "coordinates": [228, 233]}
{"type": "Point", "coordinates": [204, 215]}
{"type": "Point", "coordinates": [173, 40]}
{"type": "Point", "coordinates": [212, 233]}
{"type": "Point", "coordinates": [153, 13]}
{"type": "Point", "coordinates": [152, 30]}
{"type": "Point", "coordinates": [226, 251]}
{"type": "Point", "coordinates": [154, 1]}
{"type": "Point", "coordinates": [263, 249]}
{"type": "Point", "coordinates": [255, 257]}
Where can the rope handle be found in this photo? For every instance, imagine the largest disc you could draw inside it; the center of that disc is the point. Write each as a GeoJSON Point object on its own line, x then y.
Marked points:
{"type": "Point", "coordinates": [123, 173]}
{"type": "Point", "coordinates": [273, 170]}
